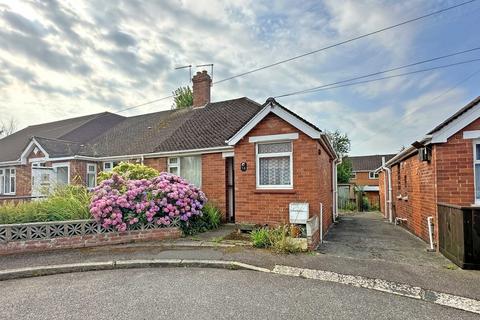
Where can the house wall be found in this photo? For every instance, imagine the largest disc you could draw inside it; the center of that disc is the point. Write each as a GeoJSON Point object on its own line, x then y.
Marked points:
{"type": "Point", "coordinates": [362, 179]}
{"type": "Point", "coordinates": [382, 192]}
{"type": "Point", "coordinates": [312, 180]}
{"type": "Point", "coordinates": [455, 172]}
{"type": "Point", "coordinates": [413, 193]}
{"type": "Point", "coordinates": [213, 177]}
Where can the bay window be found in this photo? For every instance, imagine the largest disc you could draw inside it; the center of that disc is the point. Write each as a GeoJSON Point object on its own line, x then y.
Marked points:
{"type": "Point", "coordinates": [274, 165]}
{"type": "Point", "coordinates": [8, 181]}
{"type": "Point", "coordinates": [189, 168]}
{"type": "Point", "coordinates": [91, 175]}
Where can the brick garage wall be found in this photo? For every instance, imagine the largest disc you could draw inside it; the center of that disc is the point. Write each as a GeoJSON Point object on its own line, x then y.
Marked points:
{"type": "Point", "coordinates": [89, 240]}
{"type": "Point", "coordinates": [373, 198]}
{"type": "Point", "coordinates": [414, 179]}
{"type": "Point", "coordinates": [311, 179]}
{"type": "Point", "coordinates": [455, 172]}
{"type": "Point", "coordinates": [214, 180]}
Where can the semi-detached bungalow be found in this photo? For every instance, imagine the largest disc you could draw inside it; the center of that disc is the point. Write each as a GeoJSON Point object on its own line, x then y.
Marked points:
{"type": "Point", "coordinates": [253, 161]}
{"type": "Point", "coordinates": [433, 187]}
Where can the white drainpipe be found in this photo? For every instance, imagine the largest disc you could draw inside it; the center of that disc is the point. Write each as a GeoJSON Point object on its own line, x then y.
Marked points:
{"type": "Point", "coordinates": [334, 187]}
{"type": "Point", "coordinates": [389, 201]}
{"type": "Point", "coordinates": [430, 233]}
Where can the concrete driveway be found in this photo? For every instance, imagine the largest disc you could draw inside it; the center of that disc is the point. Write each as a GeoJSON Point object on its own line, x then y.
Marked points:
{"type": "Point", "coordinates": [369, 236]}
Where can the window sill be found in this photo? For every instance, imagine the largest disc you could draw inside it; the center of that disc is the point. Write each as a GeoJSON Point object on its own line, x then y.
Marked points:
{"type": "Point", "coordinates": [282, 191]}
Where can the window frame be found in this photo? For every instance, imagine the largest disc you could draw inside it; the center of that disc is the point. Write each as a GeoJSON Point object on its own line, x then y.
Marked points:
{"type": "Point", "coordinates": [94, 174]}
{"type": "Point", "coordinates": [475, 162]}
{"type": "Point", "coordinates": [271, 155]}
{"type": "Point", "coordinates": [353, 175]}
{"type": "Point", "coordinates": [370, 175]}
{"type": "Point", "coordinates": [3, 178]}
{"type": "Point", "coordinates": [179, 166]}
{"type": "Point", "coordinates": [55, 167]}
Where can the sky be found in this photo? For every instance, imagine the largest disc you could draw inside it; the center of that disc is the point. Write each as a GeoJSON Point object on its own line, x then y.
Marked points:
{"type": "Point", "coordinates": [62, 59]}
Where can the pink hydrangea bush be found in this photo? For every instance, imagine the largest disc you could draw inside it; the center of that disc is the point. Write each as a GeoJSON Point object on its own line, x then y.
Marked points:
{"type": "Point", "coordinates": [118, 203]}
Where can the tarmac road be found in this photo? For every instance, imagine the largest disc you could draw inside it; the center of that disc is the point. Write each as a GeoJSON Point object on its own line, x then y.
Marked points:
{"type": "Point", "coordinates": [192, 293]}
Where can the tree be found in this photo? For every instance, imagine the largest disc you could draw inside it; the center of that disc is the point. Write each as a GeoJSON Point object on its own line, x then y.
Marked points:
{"type": "Point", "coordinates": [341, 144]}
{"type": "Point", "coordinates": [344, 171]}
{"type": "Point", "coordinates": [183, 98]}
{"type": "Point", "coordinates": [8, 127]}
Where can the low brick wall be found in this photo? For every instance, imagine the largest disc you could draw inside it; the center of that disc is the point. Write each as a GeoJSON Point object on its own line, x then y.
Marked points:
{"type": "Point", "coordinates": [34, 237]}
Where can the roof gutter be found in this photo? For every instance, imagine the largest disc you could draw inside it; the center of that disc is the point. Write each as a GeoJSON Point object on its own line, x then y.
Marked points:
{"type": "Point", "coordinates": [147, 155]}
{"type": "Point", "coordinates": [407, 152]}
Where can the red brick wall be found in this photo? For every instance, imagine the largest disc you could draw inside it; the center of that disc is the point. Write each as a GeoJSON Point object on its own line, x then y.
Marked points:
{"type": "Point", "coordinates": [311, 178]}
{"type": "Point", "coordinates": [382, 192]}
{"type": "Point", "coordinates": [159, 164]}
{"type": "Point", "coordinates": [417, 182]}
{"type": "Point", "coordinates": [93, 240]}
{"type": "Point", "coordinates": [214, 180]}
{"type": "Point", "coordinates": [362, 179]}
{"type": "Point", "coordinates": [455, 174]}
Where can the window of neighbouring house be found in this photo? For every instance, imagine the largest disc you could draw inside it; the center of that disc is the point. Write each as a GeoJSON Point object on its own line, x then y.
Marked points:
{"type": "Point", "coordinates": [373, 175]}
{"type": "Point", "coordinates": [62, 172]}
{"type": "Point", "coordinates": [353, 175]}
{"type": "Point", "coordinates": [91, 175]}
{"type": "Point", "coordinates": [274, 167]}
{"type": "Point", "coordinates": [108, 166]}
{"type": "Point", "coordinates": [189, 168]}
{"type": "Point", "coordinates": [477, 171]}
{"type": "Point", "coordinates": [8, 181]}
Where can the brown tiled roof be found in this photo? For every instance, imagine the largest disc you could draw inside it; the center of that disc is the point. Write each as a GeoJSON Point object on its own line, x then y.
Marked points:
{"type": "Point", "coordinates": [368, 163]}
{"type": "Point", "coordinates": [108, 134]}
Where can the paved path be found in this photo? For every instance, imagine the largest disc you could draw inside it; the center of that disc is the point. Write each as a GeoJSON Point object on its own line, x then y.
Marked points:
{"type": "Point", "coordinates": [369, 236]}
{"type": "Point", "coordinates": [203, 294]}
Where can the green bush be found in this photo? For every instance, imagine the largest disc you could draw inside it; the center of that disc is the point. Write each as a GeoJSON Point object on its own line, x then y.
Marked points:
{"type": "Point", "coordinates": [210, 219]}
{"type": "Point", "coordinates": [66, 203]}
{"type": "Point", "coordinates": [350, 206]}
{"type": "Point", "coordinates": [260, 238]}
{"type": "Point", "coordinates": [129, 171]}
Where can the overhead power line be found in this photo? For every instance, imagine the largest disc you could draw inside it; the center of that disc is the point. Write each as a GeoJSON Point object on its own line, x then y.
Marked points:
{"type": "Point", "coordinates": [346, 41]}
{"type": "Point", "coordinates": [333, 86]}
{"type": "Point", "coordinates": [144, 104]}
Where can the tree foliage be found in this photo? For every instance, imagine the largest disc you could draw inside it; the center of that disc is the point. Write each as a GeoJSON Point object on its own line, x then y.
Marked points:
{"type": "Point", "coordinates": [344, 171]}
{"type": "Point", "coordinates": [183, 98]}
{"type": "Point", "coordinates": [7, 127]}
{"type": "Point", "coordinates": [340, 142]}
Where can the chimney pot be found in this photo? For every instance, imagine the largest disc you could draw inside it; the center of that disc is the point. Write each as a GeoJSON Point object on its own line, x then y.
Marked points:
{"type": "Point", "coordinates": [201, 88]}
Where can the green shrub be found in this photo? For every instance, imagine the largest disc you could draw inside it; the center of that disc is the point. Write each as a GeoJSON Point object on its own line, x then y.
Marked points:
{"type": "Point", "coordinates": [350, 206]}
{"type": "Point", "coordinates": [66, 203]}
{"type": "Point", "coordinates": [260, 238]}
{"type": "Point", "coordinates": [130, 171]}
{"type": "Point", "coordinates": [210, 219]}
{"type": "Point", "coordinates": [277, 239]}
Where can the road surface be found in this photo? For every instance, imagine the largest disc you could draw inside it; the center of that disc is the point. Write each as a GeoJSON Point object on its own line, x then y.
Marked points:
{"type": "Point", "coordinates": [179, 293]}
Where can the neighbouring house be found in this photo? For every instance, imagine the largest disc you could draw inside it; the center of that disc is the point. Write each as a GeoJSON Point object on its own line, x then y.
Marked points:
{"type": "Point", "coordinates": [364, 178]}
{"type": "Point", "coordinates": [252, 160]}
{"type": "Point", "coordinates": [435, 181]}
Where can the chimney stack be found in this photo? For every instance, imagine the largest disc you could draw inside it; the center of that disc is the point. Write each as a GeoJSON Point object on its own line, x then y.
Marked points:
{"type": "Point", "coordinates": [201, 89]}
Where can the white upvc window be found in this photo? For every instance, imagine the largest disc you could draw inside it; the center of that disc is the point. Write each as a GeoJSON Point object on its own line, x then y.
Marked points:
{"type": "Point", "coordinates": [353, 175]}
{"type": "Point", "coordinates": [189, 168]}
{"type": "Point", "coordinates": [109, 165]}
{"type": "Point", "coordinates": [8, 181]}
{"type": "Point", "coordinates": [274, 165]}
{"type": "Point", "coordinates": [91, 175]}
{"type": "Point", "coordinates": [62, 173]}
{"type": "Point", "coordinates": [476, 165]}
{"type": "Point", "coordinates": [372, 175]}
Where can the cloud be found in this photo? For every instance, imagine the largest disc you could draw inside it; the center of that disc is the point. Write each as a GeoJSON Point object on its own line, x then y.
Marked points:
{"type": "Point", "coordinates": [121, 39]}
